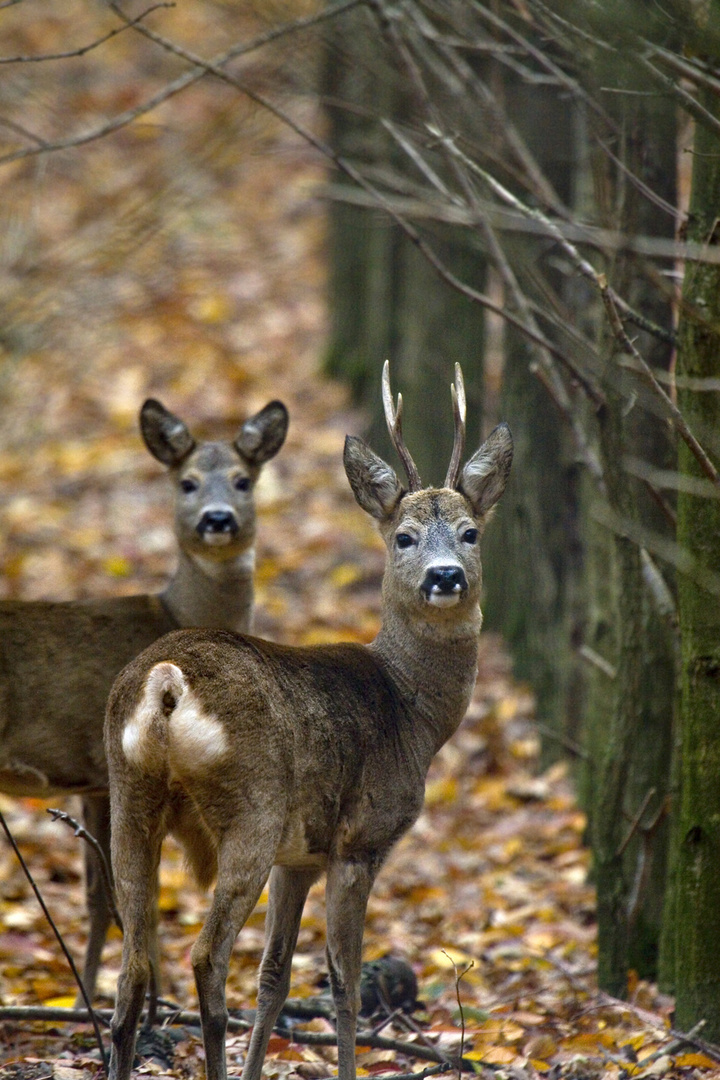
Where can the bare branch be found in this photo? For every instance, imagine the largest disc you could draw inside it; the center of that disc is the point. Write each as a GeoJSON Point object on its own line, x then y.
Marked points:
{"type": "Point", "coordinates": [597, 661]}
{"type": "Point", "coordinates": [81, 832]}
{"type": "Point", "coordinates": [26, 870]}
{"type": "Point", "coordinates": [177, 85]}
{"type": "Point", "coordinates": [676, 417]}
{"type": "Point", "coordinates": [379, 199]}
{"type": "Point", "coordinates": [635, 823]}
{"type": "Point", "coordinates": [57, 1015]}
{"type": "Point", "coordinates": [688, 102]}
{"type": "Point", "coordinates": [83, 49]}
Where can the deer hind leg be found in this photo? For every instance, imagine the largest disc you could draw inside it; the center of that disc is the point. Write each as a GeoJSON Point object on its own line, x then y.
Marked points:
{"type": "Point", "coordinates": [347, 891]}
{"type": "Point", "coordinates": [136, 842]}
{"type": "Point", "coordinates": [288, 890]}
{"type": "Point", "coordinates": [245, 858]}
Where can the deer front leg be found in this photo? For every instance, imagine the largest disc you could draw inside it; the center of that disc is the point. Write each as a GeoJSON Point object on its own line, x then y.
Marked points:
{"type": "Point", "coordinates": [348, 887]}
{"type": "Point", "coordinates": [243, 868]}
{"type": "Point", "coordinates": [288, 890]}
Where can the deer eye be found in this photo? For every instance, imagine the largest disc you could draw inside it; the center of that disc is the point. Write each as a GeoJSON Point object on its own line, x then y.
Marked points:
{"type": "Point", "coordinates": [241, 483]}
{"type": "Point", "coordinates": [404, 540]}
{"type": "Point", "coordinates": [470, 536]}
{"type": "Point", "coordinates": [187, 485]}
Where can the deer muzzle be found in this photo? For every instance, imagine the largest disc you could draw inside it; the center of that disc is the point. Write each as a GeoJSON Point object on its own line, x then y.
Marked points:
{"type": "Point", "coordinates": [217, 527]}
{"type": "Point", "coordinates": [443, 586]}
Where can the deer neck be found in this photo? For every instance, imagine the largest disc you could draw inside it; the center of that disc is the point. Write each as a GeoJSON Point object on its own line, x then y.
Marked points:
{"type": "Point", "coordinates": [215, 593]}
{"type": "Point", "coordinates": [433, 666]}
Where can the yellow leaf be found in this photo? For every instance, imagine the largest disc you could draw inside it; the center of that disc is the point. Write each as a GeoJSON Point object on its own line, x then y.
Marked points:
{"type": "Point", "coordinates": [515, 846]}
{"type": "Point", "coordinates": [66, 1001]}
{"type": "Point", "coordinates": [168, 899]}
{"type": "Point", "coordinates": [441, 791]}
{"type": "Point", "coordinates": [345, 574]}
{"type": "Point", "coordinates": [117, 566]}
{"type": "Point", "coordinates": [500, 1055]}
{"type": "Point", "coordinates": [540, 1047]}
{"type": "Point", "coordinates": [214, 308]}
{"type": "Point", "coordinates": [695, 1061]}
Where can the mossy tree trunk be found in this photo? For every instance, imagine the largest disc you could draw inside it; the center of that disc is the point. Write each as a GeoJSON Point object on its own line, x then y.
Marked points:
{"type": "Point", "coordinates": [697, 897]}
{"type": "Point", "coordinates": [629, 687]}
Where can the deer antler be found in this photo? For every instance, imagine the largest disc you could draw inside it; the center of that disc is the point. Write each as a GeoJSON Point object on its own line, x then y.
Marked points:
{"type": "Point", "coordinates": [459, 410]}
{"type": "Point", "coordinates": [393, 419]}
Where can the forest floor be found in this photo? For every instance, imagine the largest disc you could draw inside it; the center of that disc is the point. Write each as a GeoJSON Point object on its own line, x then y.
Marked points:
{"type": "Point", "coordinates": [183, 258]}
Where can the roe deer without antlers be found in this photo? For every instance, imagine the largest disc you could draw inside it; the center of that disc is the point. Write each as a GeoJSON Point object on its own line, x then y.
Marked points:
{"type": "Point", "coordinates": [265, 759]}
{"type": "Point", "coordinates": [58, 660]}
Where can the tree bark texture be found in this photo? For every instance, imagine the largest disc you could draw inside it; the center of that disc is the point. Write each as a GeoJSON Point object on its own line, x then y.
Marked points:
{"type": "Point", "coordinates": [697, 898]}
{"type": "Point", "coordinates": [630, 711]}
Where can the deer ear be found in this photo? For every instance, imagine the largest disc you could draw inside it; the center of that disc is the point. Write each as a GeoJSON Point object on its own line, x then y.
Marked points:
{"type": "Point", "coordinates": [375, 485]}
{"type": "Point", "coordinates": [166, 436]}
{"type": "Point", "coordinates": [485, 475]}
{"type": "Point", "coordinates": [262, 435]}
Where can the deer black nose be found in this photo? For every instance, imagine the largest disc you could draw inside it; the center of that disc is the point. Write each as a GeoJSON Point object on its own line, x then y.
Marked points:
{"type": "Point", "coordinates": [445, 579]}
{"type": "Point", "coordinates": [217, 521]}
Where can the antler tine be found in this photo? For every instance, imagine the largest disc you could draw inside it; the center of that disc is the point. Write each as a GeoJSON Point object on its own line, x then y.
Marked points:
{"type": "Point", "coordinates": [393, 419]}
{"type": "Point", "coordinates": [457, 391]}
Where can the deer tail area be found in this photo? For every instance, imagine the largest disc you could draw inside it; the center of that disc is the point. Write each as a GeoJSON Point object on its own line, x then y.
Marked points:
{"type": "Point", "coordinates": [169, 730]}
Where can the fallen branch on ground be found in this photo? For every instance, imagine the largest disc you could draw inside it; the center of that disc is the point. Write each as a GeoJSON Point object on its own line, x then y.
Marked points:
{"type": "Point", "coordinates": [55, 1014]}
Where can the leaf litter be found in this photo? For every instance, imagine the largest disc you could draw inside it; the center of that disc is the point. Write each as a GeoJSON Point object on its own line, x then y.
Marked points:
{"type": "Point", "coordinates": [184, 258]}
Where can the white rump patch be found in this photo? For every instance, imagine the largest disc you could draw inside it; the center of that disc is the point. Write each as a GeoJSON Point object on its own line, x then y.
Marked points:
{"type": "Point", "coordinates": [169, 727]}
{"type": "Point", "coordinates": [196, 738]}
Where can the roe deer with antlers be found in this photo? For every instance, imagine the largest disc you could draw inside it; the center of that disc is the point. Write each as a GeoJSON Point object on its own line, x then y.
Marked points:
{"type": "Point", "coordinates": [265, 759]}
{"type": "Point", "coordinates": [58, 660]}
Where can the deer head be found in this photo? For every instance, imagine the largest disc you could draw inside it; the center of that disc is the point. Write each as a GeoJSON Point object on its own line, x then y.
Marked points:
{"type": "Point", "coordinates": [214, 481]}
{"type": "Point", "coordinates": [431, 534]}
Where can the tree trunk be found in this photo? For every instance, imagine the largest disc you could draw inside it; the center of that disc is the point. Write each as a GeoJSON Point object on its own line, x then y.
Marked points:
{"type": "Point", "coordinates": [630, 711]}
{"type": "Point", "coordinates": [697, 897]}
{"type": "Point", "coordinates": [385, 300]}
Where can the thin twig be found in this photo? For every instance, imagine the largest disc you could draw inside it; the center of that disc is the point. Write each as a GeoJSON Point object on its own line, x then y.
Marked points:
{"type": "Point", "coordinates": [83, 49]}
{"type": "Point", "coordinates": [635, 823]}
{"type": "Point", "coordinates": [379, 199]}
{"type": "Point", "coordinates": [676, 417]}
{"type": "Point", "coordinates": [432, 1070]}
{"type": "Point", "coordinates": [63, 946]}
{"type": "Point", "coordinates": [698, 111]}
{"type": "Point", "coordinates": [684, 1038]}
{"type": "Point", "coordinates": [177, 85]}
{"type": "Point", "coordinates": [556, 230]}
{"type": "Point", "coordinates": [674, 1046]}
{"type": "Point", "coordinates": [409, 1024]}
{"type": "Point", "coordinates": [458, 977]}
{"type": "Point", "coordinates": [597, 661]}
{"type": "Point", "coordinates": [81, 832]}
{"type": "Point", "coordinates": [570, 745]}
{"type": "Point", "coordinates": [544, 368]}
{"type": "Point", "coordinates": [663, 547]}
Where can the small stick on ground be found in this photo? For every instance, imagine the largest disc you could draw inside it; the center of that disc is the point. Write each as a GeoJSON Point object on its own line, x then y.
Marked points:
{"type": "Point", "coordinates": [63, 946]}
{"type": "Point", "coordinates": [81, 831]}
{"type": "Point", "coordinates": [458, 977]}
